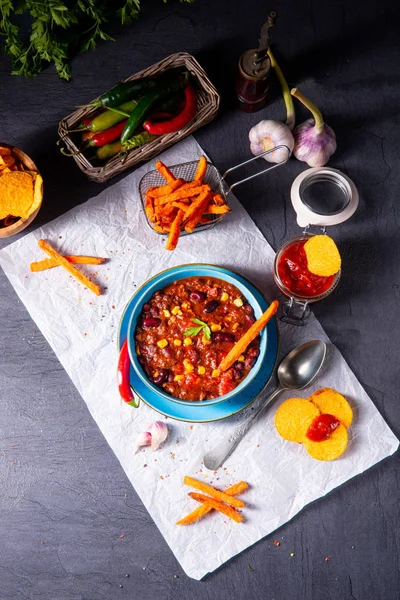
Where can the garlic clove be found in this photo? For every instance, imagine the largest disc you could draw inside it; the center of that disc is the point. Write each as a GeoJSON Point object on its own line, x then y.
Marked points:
{"type": "Point", "coordinates": [144, 439]}
{"type": "Point", "coordinates": [159, 433]}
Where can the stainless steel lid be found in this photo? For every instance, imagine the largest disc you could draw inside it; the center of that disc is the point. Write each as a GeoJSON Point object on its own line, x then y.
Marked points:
{"type": "Point", "coordinates": [322, 196]}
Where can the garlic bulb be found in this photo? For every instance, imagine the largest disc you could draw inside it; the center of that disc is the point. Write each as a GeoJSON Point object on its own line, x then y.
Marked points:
{"type": "Point", "coordinates": [315, 141]}
{"type": "Point", "coordinates": [266, 135]}
{"type": "Point", "coordinates": [155, 436]}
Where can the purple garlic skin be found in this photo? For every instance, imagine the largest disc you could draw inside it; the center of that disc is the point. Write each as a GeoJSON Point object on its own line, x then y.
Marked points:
{"type": "Point", "coordinates": [314, 146]}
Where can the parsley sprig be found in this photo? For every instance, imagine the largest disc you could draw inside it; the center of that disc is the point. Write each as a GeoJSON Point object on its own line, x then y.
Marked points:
{"type": "Point", "coordinates": [193, 331]}
{"type": "Point", "coordinates": [58, 29]}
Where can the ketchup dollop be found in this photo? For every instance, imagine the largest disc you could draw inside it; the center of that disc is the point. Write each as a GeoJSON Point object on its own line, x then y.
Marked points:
{"type": "Point", "coordinates": [321, 427]}
{"type": "Point", "coordinates": [295, 276]}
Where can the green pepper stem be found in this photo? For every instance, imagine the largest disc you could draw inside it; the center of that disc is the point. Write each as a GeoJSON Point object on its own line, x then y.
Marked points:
{"type": "Point", "coordinates": [290, 114]}
{"type": "Point", "coordinates": [119, 112]}
{"type": "Point", "coordinates": [318, 118]}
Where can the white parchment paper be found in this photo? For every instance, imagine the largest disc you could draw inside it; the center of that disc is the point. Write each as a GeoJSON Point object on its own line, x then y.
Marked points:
{"type": "Point", "coordinates": [82, 330]}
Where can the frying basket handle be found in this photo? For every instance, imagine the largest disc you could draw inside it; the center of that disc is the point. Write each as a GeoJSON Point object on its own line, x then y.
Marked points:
{"type": "Point", "coordinates": [274, 166]}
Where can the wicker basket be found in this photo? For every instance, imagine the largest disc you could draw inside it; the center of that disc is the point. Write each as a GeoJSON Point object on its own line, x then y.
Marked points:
{"type": "Point", "coordinates": [208, 102]}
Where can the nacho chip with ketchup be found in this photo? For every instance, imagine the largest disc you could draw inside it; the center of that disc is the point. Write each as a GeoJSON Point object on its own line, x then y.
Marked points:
{"type": "Point", "coordinates": [293, 418]}
{"type": "Point", "coordinates": [330, 448]}
{"type": "Point", "coordinates": [330, 401]}
{"type": "Point", "coordinates": [323, 256]}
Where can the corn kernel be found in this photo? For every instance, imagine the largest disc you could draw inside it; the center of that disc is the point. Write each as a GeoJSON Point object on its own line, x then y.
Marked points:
{"type": "Point", "coordinates": [176, 310]}
{"type": "Point", "coordinates": [241, 358]}
{"type": "Point", "coordinates": [162, 343]}
{"type": "Point", "coordinates": [238, 302]}
{"type": "Point", "coordinates": [185, 305]}
{"type": "Point", "coordinates": [156, 374]}
{"type": "Point", "coordinates": [228, 318]}
{"type": "Point", "coordinates": [205, 340]}
{"type": "Point", "coordinates": [177, 343]}
{"type": "Point", "coordinates": [201, 370]}
{"type": "Point", "coordinates": [215, 327]}
{"type": "Point", "coordinates": [166, 313]}
{"type": "Point", "coordinates": [189, 368]}
{"type": "Point", "coordinates": [186, 361]}
{"type": "Point", "coordinates": [188, 341]}
{"type": "Point", "coordinates": [235, 326]}
{"type": "Point", "coordinates": [215, 373]}
{"type": "Point", "coordinates": [224, 297]}
{"type": "Point", "coordinates": [138, 350]}
{"type": "Point", "coordinates": [178, 377]}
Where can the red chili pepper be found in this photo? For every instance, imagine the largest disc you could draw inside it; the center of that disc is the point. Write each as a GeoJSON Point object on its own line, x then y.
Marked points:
{"type": "Point", "coordinates": [109, 135]}
{"type": "Point", "coordinates": [124, 386]}
{"type": "Point", "coordinates": [87, 121]}
{"type": "Point", "coordinates": [182, 119]}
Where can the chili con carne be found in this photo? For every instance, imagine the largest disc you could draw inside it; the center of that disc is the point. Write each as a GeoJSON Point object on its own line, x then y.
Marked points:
{"type": "Point", "coordinates": [171, 340]}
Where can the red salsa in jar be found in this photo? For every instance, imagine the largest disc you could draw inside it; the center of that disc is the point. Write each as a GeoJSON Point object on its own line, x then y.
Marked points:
{"type": "Point", "coordinates": [184, 332]}
{"type": "Point", "coordinates": [295, 276]}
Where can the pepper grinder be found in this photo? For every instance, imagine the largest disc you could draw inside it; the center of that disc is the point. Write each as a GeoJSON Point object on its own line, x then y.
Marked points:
{"type": "Point", "coordinates": [253, 69]}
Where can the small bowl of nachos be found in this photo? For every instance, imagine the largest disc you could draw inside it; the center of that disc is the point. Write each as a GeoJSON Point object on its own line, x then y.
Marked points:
{"type": "Point", "coordinates": [21, 190]}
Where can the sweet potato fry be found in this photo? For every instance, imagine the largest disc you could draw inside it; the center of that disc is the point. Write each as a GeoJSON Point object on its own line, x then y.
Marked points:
{"type": "Point", "coordinates": [52, 253]}
{"type": "Point", "coordinates": [175, 231]}
{"type": "Point", "coordinates": [164, 211]}
{"type": "Point", "coordinates": [213, 209]}
{"type": "Point", "coordinates": [182, 193]}
{"type": "Point", "coordinates": [220, 506]}
{"type": "Point", "coordinates": [195, 212]}
{"type": "Point", "coordinates": [168, 188]}
{"type": "Point", "coordinates": [149, 208]}
{"type": "Point", "coordinates": [209, 489]}
{"type": "Point", "coordinates": [165, 172]}
{"type": "Point", "coordinates": [49, 263]}
{"type": "Point", "coordinates": [205, 508]}
{"type": "Point", "coordinates": [160, 229]}
{"type": "Point", "coordinates": [182, 205]}
{"type": "Point", "coordinates": [218, 199]}
{"type": "Point", "coordinates": [201, 169]}
{"type": "Point", "coordinates": [241, 345]}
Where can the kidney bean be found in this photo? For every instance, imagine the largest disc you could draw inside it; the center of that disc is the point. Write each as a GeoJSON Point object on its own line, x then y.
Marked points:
{"type": "Point", "coordinates": [146, 308]}
{"type": "Point", "coordinates": [168, 352]}
{"type": "Point", "coordinates": [162, 376]}
{"type": "Point", "coordinates": [198, 296]}
{"type": "Point", "coordinates": [151, 322]}
{"type": "Point", "coordinates": [211, 306]}
{"type": "Point", "coordinates": [238, 366]}
{"type": "Point", "coordinates": [250, 362]}
{"type": "Point", "coordinates": [171, 377]}
{"type": "Point", "coordinates": [237, 374]}
{"type": "Point", "coordinates": [253, 352]}
{"type": "Point", "coordinates": [224, 336]}
{"type": "Point", "coordinates": [193, 355]}
{"type": "Point", "coordinates": [249, 309]}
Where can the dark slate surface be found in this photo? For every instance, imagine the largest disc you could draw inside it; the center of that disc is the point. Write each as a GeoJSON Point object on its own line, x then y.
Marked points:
{"type": "Point", "coordinates": [64, 500]}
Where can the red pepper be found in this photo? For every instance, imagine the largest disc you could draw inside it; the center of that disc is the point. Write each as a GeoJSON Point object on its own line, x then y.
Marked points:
{"type": "Point", "coordinates": [178, 122]}
{"type": "Point", "coordinates": [109, 135]}
{"type": "Point", "coordinates": [124, 386]}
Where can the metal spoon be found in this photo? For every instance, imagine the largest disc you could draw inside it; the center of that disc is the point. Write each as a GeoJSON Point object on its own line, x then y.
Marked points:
{"type": "Point", "coordinates": [297, 370]}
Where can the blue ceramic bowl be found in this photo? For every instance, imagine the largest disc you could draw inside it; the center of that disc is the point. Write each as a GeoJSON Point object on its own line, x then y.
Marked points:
{"type": "Point", "coordinates": [182, 272]}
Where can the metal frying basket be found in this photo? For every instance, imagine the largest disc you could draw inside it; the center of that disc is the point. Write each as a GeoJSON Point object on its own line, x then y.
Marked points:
{"type": "Point", "coordinates": [212, 178]}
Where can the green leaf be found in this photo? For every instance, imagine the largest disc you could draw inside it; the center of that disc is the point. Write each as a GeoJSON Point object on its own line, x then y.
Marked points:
{"type": "Point", "coordinates": [207, 333]}
{"type": "Point", "coordinates": [198, 322]}
{"type": "Point", "coordinates": [192, 331]}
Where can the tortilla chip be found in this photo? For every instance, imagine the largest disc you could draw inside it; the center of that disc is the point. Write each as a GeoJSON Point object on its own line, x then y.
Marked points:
{"type": "Point", "coordinates": [323, 256]}
{"type": "Point", "coordinates": [293, 418]}
{"type": "Point", "coordinates": [331, 448]}
{"type": "Point", "coordinates": [331, 402]}
{"type": "Point", "coordinates": [17, 193]}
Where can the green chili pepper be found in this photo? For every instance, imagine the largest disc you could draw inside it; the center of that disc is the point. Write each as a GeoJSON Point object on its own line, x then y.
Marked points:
{"type": "Point", "coordinates": [108, 119]}
{"type": "Point", "coordinates": [109, 150]}
{"type": "Point", "coordinates": [130, 89]}
{"type": "Point", "coordinates": [147, 102]}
